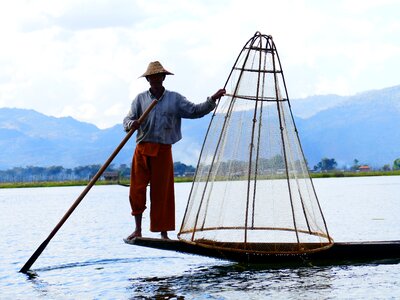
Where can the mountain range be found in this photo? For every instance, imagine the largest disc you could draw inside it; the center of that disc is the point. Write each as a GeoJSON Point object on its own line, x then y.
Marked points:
{"type": "Point", "coordinates": [364, 126]}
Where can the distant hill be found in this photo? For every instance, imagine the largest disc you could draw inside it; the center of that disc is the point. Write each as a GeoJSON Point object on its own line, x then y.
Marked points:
{"type": "Point", "coordinates": [29, 138]}
{"type": "Point", "coordinates": [364, 126]}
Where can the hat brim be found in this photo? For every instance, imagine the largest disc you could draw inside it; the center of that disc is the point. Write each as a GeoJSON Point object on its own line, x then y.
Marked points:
{"type": "Point", "coordinates": [150, 73]}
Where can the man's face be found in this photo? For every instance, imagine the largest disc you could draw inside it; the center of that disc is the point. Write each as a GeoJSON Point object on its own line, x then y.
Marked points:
{"type": "Point", "coordinates": [156, 80]}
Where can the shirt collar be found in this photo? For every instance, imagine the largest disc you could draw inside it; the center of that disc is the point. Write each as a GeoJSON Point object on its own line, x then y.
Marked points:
{"type": "Point", "coordinates": [154, 97]}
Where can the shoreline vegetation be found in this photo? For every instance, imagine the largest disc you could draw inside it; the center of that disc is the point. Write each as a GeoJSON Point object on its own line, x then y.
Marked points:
{"type": "Point", "coordinates": [125, 182]}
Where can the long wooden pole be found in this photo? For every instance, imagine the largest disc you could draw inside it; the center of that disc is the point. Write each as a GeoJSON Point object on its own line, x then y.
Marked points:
{"type": "Point", "coordinates": [40, 249]}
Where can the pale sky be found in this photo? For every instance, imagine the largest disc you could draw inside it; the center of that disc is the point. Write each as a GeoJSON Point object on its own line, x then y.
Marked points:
{"type": "Point", "coordinates": [83, 58]}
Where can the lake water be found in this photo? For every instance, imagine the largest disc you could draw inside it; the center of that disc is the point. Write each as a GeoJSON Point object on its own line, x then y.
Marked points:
{"type": "Point", "coordinates": [87, 258]}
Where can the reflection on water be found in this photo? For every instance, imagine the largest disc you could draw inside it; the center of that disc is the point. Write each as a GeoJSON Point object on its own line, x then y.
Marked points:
{"type": "Point", "coordinates": [238, 282]}
{"type": "Point", "coordinates": [227, 280]}
{"type": "Point", "coordinates": [87, 259]}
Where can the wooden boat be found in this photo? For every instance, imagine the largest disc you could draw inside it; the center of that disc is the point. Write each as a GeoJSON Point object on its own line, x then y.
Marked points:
{"type": "Point", "coordinates": [338, 253]}
{"type": "Point", "coordinates": [252, 198]}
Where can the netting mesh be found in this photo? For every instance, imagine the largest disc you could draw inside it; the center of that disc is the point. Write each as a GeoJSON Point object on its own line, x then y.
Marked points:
{"type": "Point", "coordinates": [252, 190]}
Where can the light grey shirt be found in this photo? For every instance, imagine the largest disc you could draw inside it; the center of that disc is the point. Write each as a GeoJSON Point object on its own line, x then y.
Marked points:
{"type": "Point", "coordinates": [163, 124]}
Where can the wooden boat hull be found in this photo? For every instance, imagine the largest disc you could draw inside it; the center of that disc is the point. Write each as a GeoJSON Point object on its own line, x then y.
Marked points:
{"type": "Point", "coordinates": [339, 253]}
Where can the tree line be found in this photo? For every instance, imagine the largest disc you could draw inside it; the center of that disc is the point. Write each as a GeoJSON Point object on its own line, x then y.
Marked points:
{"type": "Point", "coordinates": [59, 173]}
{"type": "Point", "coordinates": [330, 164]}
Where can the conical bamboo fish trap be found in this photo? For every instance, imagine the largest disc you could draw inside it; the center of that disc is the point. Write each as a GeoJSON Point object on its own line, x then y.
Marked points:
{"type": "Point", "coordinates": [252, 191]}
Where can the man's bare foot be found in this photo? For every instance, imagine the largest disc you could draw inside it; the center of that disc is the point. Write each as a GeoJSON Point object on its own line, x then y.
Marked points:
{"type": "Point", "coordinates": [135, 234]}
{"type": "Point", "coordinates": [164, 235]}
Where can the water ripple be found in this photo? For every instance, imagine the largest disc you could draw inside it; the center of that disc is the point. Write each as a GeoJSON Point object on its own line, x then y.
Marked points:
{"type": "Point", "coordinates": [101, 262]}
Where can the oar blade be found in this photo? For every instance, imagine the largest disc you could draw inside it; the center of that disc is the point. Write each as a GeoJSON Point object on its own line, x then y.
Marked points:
{"type": "Point", "coordinates": [34, 256]}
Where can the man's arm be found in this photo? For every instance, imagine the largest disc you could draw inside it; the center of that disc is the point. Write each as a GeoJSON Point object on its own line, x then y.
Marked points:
{"type": "Point", "coordinates": [192, 111]}
{"type": "Point", "coordinates": [130, 121]}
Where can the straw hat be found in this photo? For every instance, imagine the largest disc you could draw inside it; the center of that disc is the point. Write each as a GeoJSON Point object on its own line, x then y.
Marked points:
{"type": "Point", "coordinates": [155, 68]}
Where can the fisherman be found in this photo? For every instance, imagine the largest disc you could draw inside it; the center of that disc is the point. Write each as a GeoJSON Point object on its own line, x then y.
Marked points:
{"type": "Point", "coordinates": [152, 160]}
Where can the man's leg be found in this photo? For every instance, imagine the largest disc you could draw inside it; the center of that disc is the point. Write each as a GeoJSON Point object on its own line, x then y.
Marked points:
{"type": "Point", "coordinates": [138, 227]}
{"type": "Point", "coordinates": [140, 176]}
{"type": "Point", "coordinates": [162, 212]}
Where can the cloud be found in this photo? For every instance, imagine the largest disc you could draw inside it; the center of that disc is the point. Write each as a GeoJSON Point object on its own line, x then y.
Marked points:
{"type": "Point", "coordinates": [82, 58]}
{"type": "Point", "coordinates": [84, 15]}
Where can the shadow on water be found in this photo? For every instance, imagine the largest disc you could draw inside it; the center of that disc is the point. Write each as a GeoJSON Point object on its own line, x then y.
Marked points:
{"type": "Point", "coordinates": [218, 281]}
{"type": "Point", "coordinates": [254, 280]}
{"type": "Point", "coordinates": [100, 262]}
{"type": "Point", "coordinates": [221, 281]}
{"type": "Point", "coordinates": [33, 275]}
